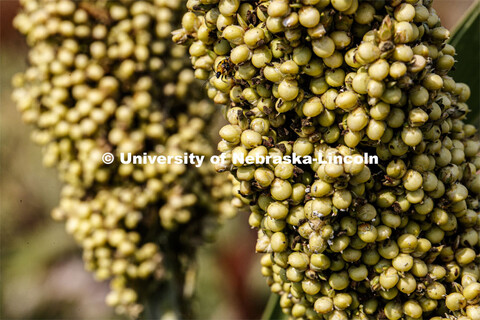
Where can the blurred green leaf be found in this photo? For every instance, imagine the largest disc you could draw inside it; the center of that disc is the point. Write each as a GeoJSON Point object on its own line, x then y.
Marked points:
{"type": "Point", "coordinates": [273, 311]}
{"type": "Point", "coordinates": [466, 41]}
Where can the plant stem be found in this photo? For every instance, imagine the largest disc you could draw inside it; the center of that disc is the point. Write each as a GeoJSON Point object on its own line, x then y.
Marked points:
{"type": "Point", "coordinates": [169, 299]}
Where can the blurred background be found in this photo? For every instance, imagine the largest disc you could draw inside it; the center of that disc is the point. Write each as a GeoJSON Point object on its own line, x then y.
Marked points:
{"type": "Point", "coordinates": [41, 270]}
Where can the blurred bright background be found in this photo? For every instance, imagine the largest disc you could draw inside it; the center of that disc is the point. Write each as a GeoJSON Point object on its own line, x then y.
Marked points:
{"type": "Point", "coordinates": [42, 275]}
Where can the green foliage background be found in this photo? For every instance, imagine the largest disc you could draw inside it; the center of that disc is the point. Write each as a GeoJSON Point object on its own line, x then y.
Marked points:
{"type": "Point", "coordinates": [465, 38]}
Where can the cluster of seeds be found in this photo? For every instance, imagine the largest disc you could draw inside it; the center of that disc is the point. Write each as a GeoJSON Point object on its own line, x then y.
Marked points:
{"type": "Point", "coordinates": [104, 76]}
{"type": "Point", "coordinates": [393, 240]}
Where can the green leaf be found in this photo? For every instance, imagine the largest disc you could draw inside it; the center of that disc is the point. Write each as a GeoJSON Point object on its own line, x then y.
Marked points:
{"type": "Point", "coordinates": [466, 41]}
{"type": "Point", "coordinates": [273, 311]}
